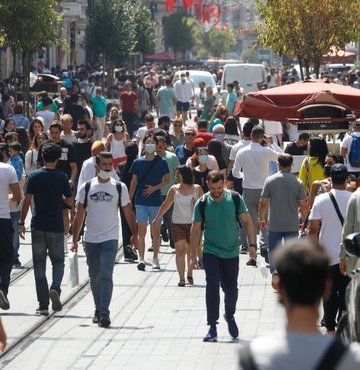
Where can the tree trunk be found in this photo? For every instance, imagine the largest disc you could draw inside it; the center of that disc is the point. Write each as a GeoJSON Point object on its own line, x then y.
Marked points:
{"type": "Point", "coordinates": [301, 69]}
{"type": "Point", "coordinates": [14, 54]}
{"type": "Point", "coordinates": [317, 64]}
{"type": "Point", "coordinates": [26, 85]}
{"type": "Point", "coordinates": [307, 68]}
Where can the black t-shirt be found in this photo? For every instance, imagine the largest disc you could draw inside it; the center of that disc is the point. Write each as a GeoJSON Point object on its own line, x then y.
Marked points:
{"type": "Point", "coordinates": [200, 179]}
{"type": "Point", "coordinates": [76, 112]}
{"type": "Point", "coordinates": [67, 157]}
{"type": "Point", "coordinates": [293, 149]}
{"type": "Point", "coordinates": [48, 187]}
{"type": "Point", "coordinates": [82, 153]}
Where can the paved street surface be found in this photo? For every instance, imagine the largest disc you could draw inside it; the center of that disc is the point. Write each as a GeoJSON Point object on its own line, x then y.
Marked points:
{"type": "Point", "coordinates": [155, 323]}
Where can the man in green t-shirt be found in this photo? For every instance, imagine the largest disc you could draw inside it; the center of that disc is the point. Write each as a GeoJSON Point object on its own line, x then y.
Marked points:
{"type": "Point", "coordinates": [221, 250]}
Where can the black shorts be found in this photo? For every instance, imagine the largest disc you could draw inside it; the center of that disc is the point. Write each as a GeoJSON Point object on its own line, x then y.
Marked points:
{"type": "Point", "coordinates": [182, 107]}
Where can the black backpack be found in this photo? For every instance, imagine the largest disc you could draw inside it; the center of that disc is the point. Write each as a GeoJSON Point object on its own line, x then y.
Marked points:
{"type": "Point", "coordinates": [87, 188]}
{"type": "Point", "coordinates": [202, 206]}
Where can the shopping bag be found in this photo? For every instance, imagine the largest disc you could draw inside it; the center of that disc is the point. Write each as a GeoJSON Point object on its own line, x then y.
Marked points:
{"type": "Point", "coordinates": [73, 269]}
{"type": "Point", "coordinates": [262, 268]}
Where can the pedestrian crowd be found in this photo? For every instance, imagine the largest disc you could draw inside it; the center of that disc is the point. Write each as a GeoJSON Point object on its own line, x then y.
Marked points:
{"type": "Point", "coordinates": [210, 187]}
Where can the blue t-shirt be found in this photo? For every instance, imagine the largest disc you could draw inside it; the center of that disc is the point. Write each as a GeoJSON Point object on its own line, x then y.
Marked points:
{"type": "Point", "coordinates": [18, 164]}
{"type": "Point", "coordinates": [154, 177]}
{"type": "Point", "coordinates": [48, 187]}
{"type": "Point", "coordinates": [183, 154]}
{"type": "Point", "coordinates": [231, 101]}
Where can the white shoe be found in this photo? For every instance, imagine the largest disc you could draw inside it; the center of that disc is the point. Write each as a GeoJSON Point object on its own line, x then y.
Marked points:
{"type": "Point", "coordinates": [156, 264]}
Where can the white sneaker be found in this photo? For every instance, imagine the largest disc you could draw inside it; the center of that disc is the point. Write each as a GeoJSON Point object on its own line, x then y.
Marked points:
{"type": "Point", "coordinates": [156, 264]}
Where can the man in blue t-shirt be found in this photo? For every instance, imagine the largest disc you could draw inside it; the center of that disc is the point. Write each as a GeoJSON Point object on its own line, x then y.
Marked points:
{"type": "Point", "coordinates": [49, 187]}
{"type": "Point", "coordinates": [150, 173]}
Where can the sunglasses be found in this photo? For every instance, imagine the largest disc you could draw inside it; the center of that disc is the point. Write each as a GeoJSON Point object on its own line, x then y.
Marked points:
{"type": "Point", "coordinates": [177, 125]}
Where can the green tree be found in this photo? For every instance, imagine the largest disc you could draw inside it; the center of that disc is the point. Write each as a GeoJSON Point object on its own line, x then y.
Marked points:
{"type": "Point", "coordinates": [220, 42]}
{"type": "Point", "coordinates": [111, 31]}
{"type": "Point", "coordinates": [144, 29]}
{"type": "Point", "coordinates": [181, 32]}
{"type": "Point", "coordinates": [307, 29]}
{"type": "Point", "coordinates": [26, 26]}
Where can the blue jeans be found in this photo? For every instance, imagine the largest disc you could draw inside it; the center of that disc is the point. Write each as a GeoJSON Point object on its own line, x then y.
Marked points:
{"type": "Point", "coordinates": [100, 258]}
{"type": "Point", "coordinates": [224, 272]}
{"type": "Point", "coordinates": [53, 243]}
{"type": "Point", "coordinates": [15, 218]}
{"type": "Point", "coordinates": [274, 239]}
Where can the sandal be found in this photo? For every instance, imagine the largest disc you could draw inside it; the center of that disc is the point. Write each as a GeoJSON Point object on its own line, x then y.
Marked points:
{"type": "Point", "coordinates": [181, 282]}
{"type": "Point", "coordinates": [190, 280]}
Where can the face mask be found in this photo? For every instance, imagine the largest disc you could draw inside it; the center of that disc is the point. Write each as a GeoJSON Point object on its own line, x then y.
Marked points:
{"type": "Point", "coordinates": [327, 170]}
{"type": "Point", "coordinates": [203, 159]}
{"type": "Point", "coordinates": [219, 137]}
{"type": "Point", "coordinates": [150, 148]}
{"type": "Point", "coordinates": [105, 175]}
{"type": "Point", "coordinates": [119, 128]}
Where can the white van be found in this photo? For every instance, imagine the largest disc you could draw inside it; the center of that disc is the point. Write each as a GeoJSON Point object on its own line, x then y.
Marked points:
{"type": "Point", "coordinates": [198, 76]}
{"type": "Point", "coordinates": [247, 74]}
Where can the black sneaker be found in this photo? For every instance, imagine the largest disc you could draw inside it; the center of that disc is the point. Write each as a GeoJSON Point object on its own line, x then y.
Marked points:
{"type": "Point", "coordinates": [264, 253]}
{"type": "Point", "coordinates": [17, 264]}
{"type": "Point", "coordinates": [55, 300]}
{"type": "Point", "coordinates": [42, 311]}
{"type": "Point", "coordinates": [232, 327]}
{"type": "Point", "coordinates": [151, 249]}
{"type": "Point", "coordinates": [141, 266]}
{"type": "Point", "coordinates": [4, 303]}
{"type": "Point", "coordinates": [244, 249]}
{"type": "Point", "coordinates": [130, 254]}
{"type": "Point", "coordinates": [104, 321]}
{"type": "Point", "coordinates": [96, 317]}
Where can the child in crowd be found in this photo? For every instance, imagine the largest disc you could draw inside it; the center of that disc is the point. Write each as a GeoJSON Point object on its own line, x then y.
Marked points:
{"type": "Point", "coordinates": [15, 159]}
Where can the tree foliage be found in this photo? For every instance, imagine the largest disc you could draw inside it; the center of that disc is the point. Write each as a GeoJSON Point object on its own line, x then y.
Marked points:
{"type": "Point", "coordinates": [181, 32]}
{"type": "Point", "coordinates": [220, 41]}
{"type": "Point", "coordinates": [26, 26]}
{"type": "Point", "coordinates": [308, 29]}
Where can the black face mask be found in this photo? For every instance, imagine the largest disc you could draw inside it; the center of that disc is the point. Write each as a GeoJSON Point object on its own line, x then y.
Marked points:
{"type": "Point", "coordinates": [327, 170]}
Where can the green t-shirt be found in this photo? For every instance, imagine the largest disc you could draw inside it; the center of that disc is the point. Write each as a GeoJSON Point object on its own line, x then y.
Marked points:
{"type": "Point", "coordinates": [166, 99]}
{"type": "Point", "coordinates": [221, 235]}
{"type": "Point", "coordinates": [173, 164]}
{"type": "Point", "coordinates": [40, 106]}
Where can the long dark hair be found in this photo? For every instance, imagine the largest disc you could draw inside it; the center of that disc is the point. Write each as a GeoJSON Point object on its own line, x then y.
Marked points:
{"type": "Point", "coordinates": [319, 149]}
{"type": "Point", "coordinates": [231, 126]}
{"type": "Point", "coordinates": [23, 138]}
{"type": "Point", "coordinates": [214, 148]}
{"type": "Point", "coordinates": [186, 174]}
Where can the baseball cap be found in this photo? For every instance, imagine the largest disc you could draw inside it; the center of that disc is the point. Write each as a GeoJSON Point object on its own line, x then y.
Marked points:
{"type": "Point", "coordinates": [339, 171]}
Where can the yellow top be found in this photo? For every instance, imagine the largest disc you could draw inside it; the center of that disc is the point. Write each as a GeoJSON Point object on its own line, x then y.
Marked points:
{"type": "Point", "coordinates": [311, 172]}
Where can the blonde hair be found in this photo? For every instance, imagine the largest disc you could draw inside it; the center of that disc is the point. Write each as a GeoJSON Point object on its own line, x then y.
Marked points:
{"type": "Point", "coordinates": [66, 117]}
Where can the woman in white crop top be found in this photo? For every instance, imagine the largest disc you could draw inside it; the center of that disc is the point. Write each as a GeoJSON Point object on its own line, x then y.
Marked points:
{"type": "Point", "coordinates": [183, 195]}
{"type": "Point", "coordinates": [116, 141]}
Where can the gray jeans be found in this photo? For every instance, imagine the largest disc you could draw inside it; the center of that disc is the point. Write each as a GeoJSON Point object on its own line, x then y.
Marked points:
{"type": "Point", "coordinates": [53, 243]}
{"type": "Point", "coordinates": [252, 198]}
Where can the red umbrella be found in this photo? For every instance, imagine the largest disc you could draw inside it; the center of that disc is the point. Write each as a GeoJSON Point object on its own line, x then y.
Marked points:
{"type": "Point", "coordinates": [288, 101]}
{"type": "Point", "coordinates": [339, 56]}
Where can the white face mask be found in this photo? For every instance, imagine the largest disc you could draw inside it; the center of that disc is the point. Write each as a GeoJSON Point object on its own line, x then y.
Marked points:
{"type": "Point", "coordinates": [150, 148]}
{"type": "Point", "coordinates": [105, 175]}
{"type": "Point", "coordinates": [203, 159]}
{"type": "Point", "coordinates": [219, 137]}
{"type": "Point", "coordinates": [119, 128]}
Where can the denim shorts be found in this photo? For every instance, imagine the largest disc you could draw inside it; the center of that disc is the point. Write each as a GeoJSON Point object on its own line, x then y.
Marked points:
{"type": "Point", "coordinates": [146, 214]}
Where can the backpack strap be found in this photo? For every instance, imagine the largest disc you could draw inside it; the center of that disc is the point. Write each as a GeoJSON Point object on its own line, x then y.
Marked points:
{"type": "Point", "coordinates": [246, 359]}
{"type": "Point", "coordinates": [236, 199]}
{"type": "Point", "coordinates": [333, 355]}
{"type": "Point", "coordinates": [118, 187]}
{"type": "Point", "coordinates": [336, 206]}
{"type": "Point", "coordinates": [87, 188]}
{"type": "Point", "coordinates": [202, 206]}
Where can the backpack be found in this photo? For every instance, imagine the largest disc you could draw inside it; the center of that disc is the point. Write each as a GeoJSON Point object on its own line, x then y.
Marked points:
{"type": "Point", "coordinates": [354, 154]}
{"type": "Point", "coordinates": [202, 205]}
{"type": "Point", "coordinates": [87, 188]}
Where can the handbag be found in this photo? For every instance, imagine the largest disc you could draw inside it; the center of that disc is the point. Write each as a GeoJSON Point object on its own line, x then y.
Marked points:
{"type": "Point", "coordinates": [73, 269]}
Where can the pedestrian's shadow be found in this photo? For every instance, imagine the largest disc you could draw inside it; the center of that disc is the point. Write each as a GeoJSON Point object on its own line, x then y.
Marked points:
{"type": "Point", "coordinates": [16, 314]}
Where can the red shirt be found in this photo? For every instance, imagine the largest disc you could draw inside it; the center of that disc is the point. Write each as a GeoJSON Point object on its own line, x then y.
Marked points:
{"type": "Point", "coordinates": [207, 136]}
{"type": "Point", "coordinates": [128, 101]}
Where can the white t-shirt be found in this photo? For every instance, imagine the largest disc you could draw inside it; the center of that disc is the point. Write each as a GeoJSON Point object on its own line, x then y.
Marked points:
{"type": "Point", "coordinates": [346, 143]}
{"type": "Point", "coordinates": [141, 132]}
{"type": "Point", "coordinates": [212, 163]}
{"type": "Point", "coordinates": [331, 228]}
{"type": "Point", "coordinates": [7, 178]}
{"type": "Point", "coordinates": [235, 148]}
{"type": "Point", "coordinates": [297, 351]}
{"type": "Point", "coordinates": [88, 171]}
{"type": "Point", "coordinates": [254, 161]}
{"type": "Point", "coordinates": [102, 221]}
{"type": "Point", "coordinates": [70, 139]}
